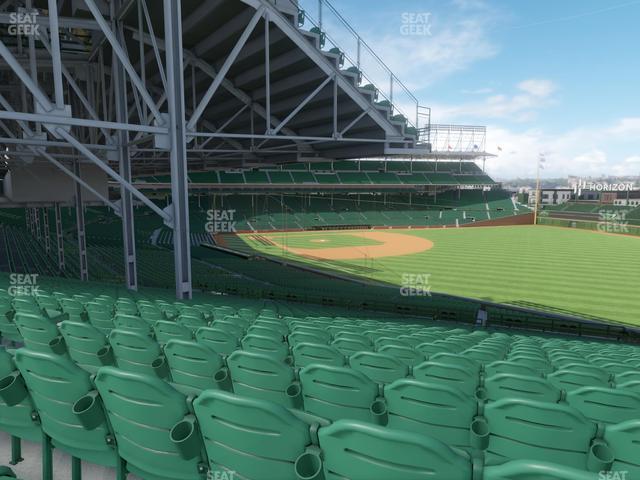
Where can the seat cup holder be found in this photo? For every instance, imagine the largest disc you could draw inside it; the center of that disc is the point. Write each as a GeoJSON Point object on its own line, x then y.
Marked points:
{"type": "Point", "coordinates": [58, 346]}
{"type": "Point", "coordinates": [223, 380]}
{"type": "Point", "coordinates": [185, 437]}
{"type": "Point", "coordinates": [600, 457]}
{"type": "Point", "coordinates": [105, 355]}
{"type": "Point", "coordinates": [479, 434]}
{"type": "Point", "coordinates": [379, 411]}
{"type": "Point", "coordinates": [12, 389]}
{"type": "Point", "coordinates": [308, 466]}
{"type": "Point", "coordinates": [294, 394]}
{"type": "Point", "coordinates": [89, 411]}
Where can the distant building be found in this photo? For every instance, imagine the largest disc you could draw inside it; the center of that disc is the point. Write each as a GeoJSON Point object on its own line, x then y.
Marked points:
{"type": "Point", "coordinates": [552, 196]}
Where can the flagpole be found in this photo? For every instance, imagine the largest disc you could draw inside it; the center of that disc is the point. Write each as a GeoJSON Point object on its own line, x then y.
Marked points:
{"type": "Point", "coordinates": [535, 212]}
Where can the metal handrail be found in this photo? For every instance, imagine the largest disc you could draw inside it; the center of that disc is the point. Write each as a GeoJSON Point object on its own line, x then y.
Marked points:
{"type": "Point", "coordinates": [394, 82]}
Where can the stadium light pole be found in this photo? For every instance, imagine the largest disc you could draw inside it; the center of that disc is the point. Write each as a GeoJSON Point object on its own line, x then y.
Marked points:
{"type": "Point", "coordinates": [541, 160]}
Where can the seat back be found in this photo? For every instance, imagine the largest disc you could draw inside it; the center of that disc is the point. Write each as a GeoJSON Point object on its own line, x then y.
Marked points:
{"type": "Point", "coordinates": [532, 470]}
{"type": "Point", "coordinates": [36, 330]}
{"type": "Point", "coordinates": [570, 380]}
{"type": "Point", "coordinates": [509, 385]}
{"type": "Point", "coordinates": [443, 411]}
{"type": "Point", "coordinates": [192, 364]}
{"type": "Point", "coordinates": [379, 367]}
{"type": "Point", "coordinates": [255, 438]}
{"type": "Point", "coordinates": [269, 345]}
{"type": "Point", "coordinates": [448, 374]}
{"type": "Point", "coordinates": [362, 451]}
{"type": "Point", "coordinates": [623, 440]}
{"type": "Point", "coordinates": [504, 366]}
{"type": "Point", "coordinates": [133, 351]}
{"type": "Point", "coordinates": [16, 420]}
{"type": "Point", "coordinates": [555, 432]}
{"type": "Point", "coordinates": [261, 376]}
{"type": "Point", "coordinates": [55, 383]}
{"type": "Point", "coordinates": [406, 355]}
{"type": "Point", "coordinates": [307, 353]}
{"type": "Point", "coordinates": [142, 410]}
{"type": "Point", "coordinates": [338, 392]}
{"type": "Point", "coordinates": [83, 342]}
{"type": "Point", "coordinates": [605, 405]}
{"type": "Point", "coordinates": [132, 323]}
{"type": "Point", "coordinates": [166, 330]}
{"type": "Point", "coordinates": [218, 340]}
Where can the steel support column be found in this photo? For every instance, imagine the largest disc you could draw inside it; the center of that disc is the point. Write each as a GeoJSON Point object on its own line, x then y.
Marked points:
{"type": "Point", "coordinates": [59, 237]}
{"type": "Point", "coordinates": [36, 222]}
{"type": "Point", "coordinates": [126, 209]}
{"type": "Point", "coordinates": [82, 241]}
{"type": "Point", "coordinates": [47, 233]}
{"type": "Point", "coordinates": [178, 145]}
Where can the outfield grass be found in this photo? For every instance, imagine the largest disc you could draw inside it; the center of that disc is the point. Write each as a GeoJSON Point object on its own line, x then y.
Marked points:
{"type": "Point", "coordinates": [565, 270]}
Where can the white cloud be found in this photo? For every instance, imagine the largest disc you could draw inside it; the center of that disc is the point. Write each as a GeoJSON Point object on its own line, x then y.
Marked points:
{"type": "Point", "coordinates": [477, 91]}
{"type": "Point", "coordinates": [537, 87]}
{"type": "Point", "coordinates": [626, 126]}
{"type": "Point", "coordinates": [582, 151]}
{"type": "Point", "coordinates": [533, 95]}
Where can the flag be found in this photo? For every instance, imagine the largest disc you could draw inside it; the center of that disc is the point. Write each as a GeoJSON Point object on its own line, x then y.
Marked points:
{"type": "Point", "coordinates": [449, 147]}
{"type": "Point", "coordinates": [476, 147]}
{"type": "Point", "coordinates": [499, 148]}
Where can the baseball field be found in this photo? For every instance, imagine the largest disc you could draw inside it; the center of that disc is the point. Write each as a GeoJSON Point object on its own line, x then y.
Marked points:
{"type": "Point", "coordinates": [568, 271]}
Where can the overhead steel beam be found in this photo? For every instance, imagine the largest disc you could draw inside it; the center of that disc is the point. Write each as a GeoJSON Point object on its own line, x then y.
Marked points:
{"type": "Point", "coordinates": [119, 51]}
{"type": "Point", "coordinates": [47, 233]}
{"type": "Point", "coordinates": [204, 102]}
{"type": "Point", "coordinates": [55, 54]}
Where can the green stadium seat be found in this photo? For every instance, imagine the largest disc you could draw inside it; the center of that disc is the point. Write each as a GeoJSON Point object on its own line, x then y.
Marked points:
{"type": "Point", "coordinates": [56, 383]}
{"type": "Point", "coordinates": [340, 392]}
{"type": "Point", "coordinates": [555, 432]}
{"type": "Point", "coordinates": [274, 325]}
{"type": "Point", "coordinates": [605, 405]}
{"type": "Point", "coordinates": [441, 411]}
{"type": "Point", "coordinates": [38, 332]}
{"type": "Point", "coordinates": [379, 367]}
{"type": "Point", "coordinates": [350, 345]}
{"type": "Point", "coordinates": [584, 367]}
{"type": "Point", "coordinates": [17, 413]}
{"type": "Point", "coordinates": [268, 345]}
{"type": "Point", "coordinates": [165, 330]}
{"type": "Point", "coordinates": [362, 451]}
{"type": "Point", "coordinates": [406, 355]}
{"type": "Point", "coordinates": [511, 385]}
{"type": "Point", "coordinates": [192, 322]}
{"type": "Point", "coordinates": [74, 309]}
{"type": "Point", "coordinates": [537, 363]}
{"type": "Point", "coordinates": [505, 366]}
{"type": "Point", "coordinates": [255, 438]}
{"type": "Point", "coordinates": [218, 340]}
{"type": "Point", "coordinates": [235, 329]}
{"type": "Point", "coordinates": [307, 353]}
{"type": "Point", "coordinates": [195, 366]}
{"type": "Point", "coordinates": [101, 318]}
{"type": "Point", "coordinates": [623, 440]}
{"type": "Point", "coordinates": [8, 329]}
{"type": "Point", "coordinates": [532, 470]}
{"type": "Point", "coordinates": [630, 376]}
{"type": "Point", "coordinates": [83, 342]}
{"type": "Point", "coordinates": [448, 374]}
{"type": "Point", "coordinates": [142, 411]}
{"type": "Point", "coordinates": [457, 360]}
{"type": "Point", "coordinates": [261, 376]}
{"type": "Point", "coordinates": [266, 331]}
{"type": "Point", "coordinates": [570, 380]}
{"type": "Point", "coordinates": [131, 323]}
{"type": "Point", "coordinates": [133, 351]}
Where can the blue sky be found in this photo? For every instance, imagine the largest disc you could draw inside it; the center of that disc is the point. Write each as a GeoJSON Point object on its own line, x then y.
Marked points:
{"type": "Point", "coordinates": [553, 76]}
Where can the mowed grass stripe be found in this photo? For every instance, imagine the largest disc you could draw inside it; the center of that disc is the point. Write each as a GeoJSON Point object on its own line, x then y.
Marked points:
{"type": "Point", "coordinates": [578, 271]}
